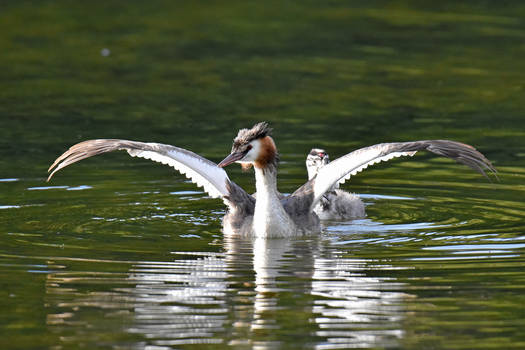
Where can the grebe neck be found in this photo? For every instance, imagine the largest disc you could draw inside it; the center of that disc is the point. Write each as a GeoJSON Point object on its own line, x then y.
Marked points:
{"type": "Point", "coordinates": [270, 218]}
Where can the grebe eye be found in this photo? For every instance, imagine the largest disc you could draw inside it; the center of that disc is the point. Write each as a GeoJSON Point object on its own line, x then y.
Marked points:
{"type": "Point", "coordinates": [249, 147]}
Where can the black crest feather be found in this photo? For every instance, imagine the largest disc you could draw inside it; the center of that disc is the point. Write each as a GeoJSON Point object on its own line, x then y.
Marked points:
{"type": "Point", "coordinates": [258, 131]}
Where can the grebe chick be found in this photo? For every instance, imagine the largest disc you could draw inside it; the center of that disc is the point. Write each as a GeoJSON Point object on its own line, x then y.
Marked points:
{"type": "Point", "coordinates": [268, 215]}
{"type": "Point", "coordinates": [335, 204]}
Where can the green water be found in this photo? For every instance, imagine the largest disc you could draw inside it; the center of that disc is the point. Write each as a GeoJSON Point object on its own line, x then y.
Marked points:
{"type": "Point", "coordinates": [120, 253]}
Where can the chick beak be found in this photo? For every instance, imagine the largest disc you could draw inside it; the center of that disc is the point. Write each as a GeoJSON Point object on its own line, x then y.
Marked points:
{"type": "Point", "coordinates": [233, 157]}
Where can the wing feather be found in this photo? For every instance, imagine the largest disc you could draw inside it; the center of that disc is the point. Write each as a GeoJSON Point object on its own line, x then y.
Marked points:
{"type": "Point", "coordinates": [341, 169]}
{"type": "Point", "coordinates": [198, 169]}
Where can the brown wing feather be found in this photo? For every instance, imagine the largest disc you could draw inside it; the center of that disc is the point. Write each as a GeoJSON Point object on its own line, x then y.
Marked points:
{"type": "Point", "coordinates": [460, 152]}
{"type": "Point", "coordinates": [88, 149]}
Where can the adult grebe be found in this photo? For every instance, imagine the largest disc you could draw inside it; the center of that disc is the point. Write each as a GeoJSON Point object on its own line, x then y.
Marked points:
{"type": "Point", "coordinates": [335, 204]}
{"type": "Point", "coordinates": [268, 215]}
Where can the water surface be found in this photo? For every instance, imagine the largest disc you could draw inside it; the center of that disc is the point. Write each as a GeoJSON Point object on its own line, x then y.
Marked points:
{"type": "Point", "coordinates": [120, 253]}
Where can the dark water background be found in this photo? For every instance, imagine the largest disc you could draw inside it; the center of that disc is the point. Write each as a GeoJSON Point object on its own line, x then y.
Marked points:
{"type": "Point", "coordinates": [120, 253]}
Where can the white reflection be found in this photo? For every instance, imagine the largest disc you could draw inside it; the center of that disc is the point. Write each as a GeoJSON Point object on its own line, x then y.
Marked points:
{"type": "Point", "coordinates": [267, 261]}
{"type": "Point", "coordinates": [252, 293]}
{"type": "Point", "coordinates": [181, 302]}
{"type": "Point", "coordinates": [356, 310]}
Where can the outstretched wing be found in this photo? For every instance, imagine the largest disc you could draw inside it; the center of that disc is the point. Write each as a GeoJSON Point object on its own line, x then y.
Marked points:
{"type": "Point", "coordinates": [340, 170]}
{"type": "Point", "coordinates": [200, 170]}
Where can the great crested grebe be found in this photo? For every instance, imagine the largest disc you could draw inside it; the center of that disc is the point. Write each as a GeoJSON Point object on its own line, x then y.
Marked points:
{"type": "Point", "coordinates": [269, 215]}
{"type": "Point", "coordinates": [335, 204]}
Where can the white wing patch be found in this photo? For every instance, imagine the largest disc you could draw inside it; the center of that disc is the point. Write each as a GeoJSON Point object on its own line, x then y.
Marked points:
{"type": "Point", "coordinates": [203, 173]}
{"type": "Point", "coordinates": [341, 169]}
{"type": "Point", "coordinates": [375, 161]}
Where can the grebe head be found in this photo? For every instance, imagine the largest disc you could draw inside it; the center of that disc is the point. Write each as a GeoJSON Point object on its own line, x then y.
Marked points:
{"type": "Point", "coordinates": [253, 147]}
{"type": "Point", "coordinates": [316, 159]}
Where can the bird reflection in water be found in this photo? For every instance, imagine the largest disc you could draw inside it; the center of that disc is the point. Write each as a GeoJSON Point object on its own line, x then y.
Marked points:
{"type": "Point", "coordinates": [254, 293]}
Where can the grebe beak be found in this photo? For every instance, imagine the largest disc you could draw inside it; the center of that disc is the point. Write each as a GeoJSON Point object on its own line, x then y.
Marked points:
{"type": "Point", "coordinates": [232, 158]}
